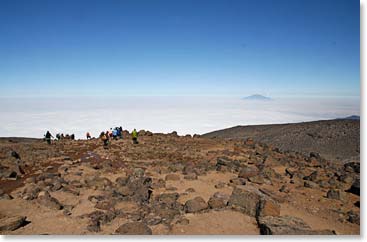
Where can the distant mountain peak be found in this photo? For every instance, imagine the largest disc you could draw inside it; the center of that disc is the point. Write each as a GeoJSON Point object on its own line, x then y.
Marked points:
{"type": "Point", "coordinates": [257, 97]}
{"type": "Point", "coordinates": [352, 117]}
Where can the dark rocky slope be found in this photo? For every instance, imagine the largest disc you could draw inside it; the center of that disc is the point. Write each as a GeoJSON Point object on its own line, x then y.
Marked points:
{"type": "Point", "coordinates": [332, 139]}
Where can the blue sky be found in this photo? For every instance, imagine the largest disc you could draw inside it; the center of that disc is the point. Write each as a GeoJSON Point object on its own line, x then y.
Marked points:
{"type": "Point", "coordinates": [225, 48]}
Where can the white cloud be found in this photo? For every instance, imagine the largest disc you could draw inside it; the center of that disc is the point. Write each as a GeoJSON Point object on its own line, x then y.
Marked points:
{"type": "Point", "coordinates": [186, 115]}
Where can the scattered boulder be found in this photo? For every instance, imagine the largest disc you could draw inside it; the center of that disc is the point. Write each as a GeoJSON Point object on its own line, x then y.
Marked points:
{"type": "Point", "coordinates": [355, 188]}
{"type": "Point", "coordinates": [287, 225]}
{"type": "Point", "coordinates": [168, 199]}
{"type": "Point", "coordinates": [310, 184]}
{"type": "Point", "coordinates": [97, 218]}
{"type": "Point", "coordinates": [218, 200]}
{"type": "Point", "coordinates": [141, 188]}
{"type": "Point", "coordinates": [134, 228]}
{"type": "Point", "coordinates": [94, 226]}
{"type": "Point", "coordinates": [4, 196]}
{"type": "Point", "coordinates": [45, 199]}
{"type": "Point", "coordinates": [352, 167]}
{"type": "Point", "coordinates": [191, 176]}
{"type": "Point", "coordinates": [346, 178]}
{"type": "Point", "coordinates": [30, 191]}
{"type": "Point", "coordinates": [336, 194]}
{"type": "Point", "coordinates": [248, 171]}
{"type": "Point", "coordinates": [195, 205]}
{"type": "Point", "coordinates": [353, 217]}
{"type": "Point", "coordinates": [238, 181]}
{"type": "Point", "coordinates": [247, 200]}
{"type": "Point", "coordinates": [312, 177]}
{"type": "Point", "coordinates": [9, 175]}
{"type": "Point", "coordinates": [259, 180]}
{"type": "Point", "coordinates": [12, 223]}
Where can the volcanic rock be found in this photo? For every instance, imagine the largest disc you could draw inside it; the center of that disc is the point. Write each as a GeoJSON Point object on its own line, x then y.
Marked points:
{"type": "Point", "coordinates": [355, 188]}
{"type": "Point", "coordinates": [45, 199]}
{"type": "Point", "coordinates": [353, 217]}
{"type": "Point", "coordinates": [195, 205]}
{"type": "Point", "coordinates": [134, 228]}
{"type": "Point", "coordinates": [287, 225]}
{"type": "Point", "coordinates": [248, 171]}
{"type": "Point", "coordinates": [191, 176]}
{"type": "Point", "coordinates": [218, 200]}
{"type": "Point", "coordinates": [247, 200]}
{"type": "Point", "coordinates": [12, 223]}
{"type": "Point", "coordinates": [336, 194]}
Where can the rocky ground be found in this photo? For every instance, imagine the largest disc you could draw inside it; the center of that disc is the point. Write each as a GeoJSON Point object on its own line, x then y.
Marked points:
{"type": "Point", "coordinates": [337, 140]}
{"type": "Point", "coordinates": [169, 184]}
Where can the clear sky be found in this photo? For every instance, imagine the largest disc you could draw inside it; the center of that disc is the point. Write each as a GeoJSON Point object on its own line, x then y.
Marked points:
{"type": "Point", "coordinates": [228, 47]}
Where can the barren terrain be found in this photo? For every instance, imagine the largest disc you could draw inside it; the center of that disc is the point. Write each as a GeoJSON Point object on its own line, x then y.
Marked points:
{"type": "Point", "coordinates": [169, 184]}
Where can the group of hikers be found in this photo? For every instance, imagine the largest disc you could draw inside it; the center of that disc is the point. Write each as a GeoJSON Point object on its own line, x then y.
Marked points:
{"type": "Point", "coordinates": [59, 136]}
{"type": "Point", "coordinates": [110, 134]}
{"type": "Point", "coordinates": [67, 136]}
{"type": "Point", "coordinates": [115, 134]}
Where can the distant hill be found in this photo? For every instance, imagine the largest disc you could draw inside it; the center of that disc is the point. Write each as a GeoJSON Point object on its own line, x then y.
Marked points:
{"type": "Point", "coordinates": [333, 139]}
{"type": "Point", "coordinates": [257, 97]}
{"type": "Point", "coordinates": [352, 117]}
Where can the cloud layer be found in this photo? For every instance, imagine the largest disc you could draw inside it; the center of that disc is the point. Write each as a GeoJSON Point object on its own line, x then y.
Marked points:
{"type": "Point", "coordinates": [187, 115]}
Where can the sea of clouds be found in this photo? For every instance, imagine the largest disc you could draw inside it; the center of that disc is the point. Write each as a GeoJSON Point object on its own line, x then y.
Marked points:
{"type": "Point", "coordinates": [32, 117]}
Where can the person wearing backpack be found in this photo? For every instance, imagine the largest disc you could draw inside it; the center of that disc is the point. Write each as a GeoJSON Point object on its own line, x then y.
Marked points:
{"type": "Point", "coordinates": [48, 137]}
{"type": "Point", "coordinates": [134, 135]}
{"type": "Point", "coordinates": [104, 138]}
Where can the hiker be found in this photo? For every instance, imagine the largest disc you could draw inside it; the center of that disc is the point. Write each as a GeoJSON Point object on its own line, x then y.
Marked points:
{"type": "Point", "coordinates": [72, 136]}
{"type": "Point", "coordinates": [88, 135]}
{"type": "Point", "coordinates": [104, 138]}
{"type": "Point", "coordinates": [58, 136]}
{"type": "Point", "coordinates": [120, 132]}
{"type": "Point", "coordinates": [62, 136]}
{"type": "Point", "coordinates": [114, 133]}
{"type": "Point", "coordinates": [48, 136]}
{"type": "Point", "coordinates": [134, 135]}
